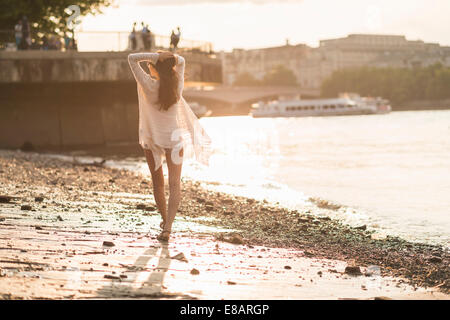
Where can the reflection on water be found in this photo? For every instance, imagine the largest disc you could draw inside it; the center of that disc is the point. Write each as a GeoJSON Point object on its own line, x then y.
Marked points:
{"type": "Point", "coordinates": [390, 172]}
{"type": "Point", "coordinates": [393, 169]}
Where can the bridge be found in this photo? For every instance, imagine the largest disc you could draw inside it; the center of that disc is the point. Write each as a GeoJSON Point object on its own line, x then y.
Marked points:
{"type": "Point", "coordinates": [69, 100]}
{"type": "Point", "coordinates": [230, 100]}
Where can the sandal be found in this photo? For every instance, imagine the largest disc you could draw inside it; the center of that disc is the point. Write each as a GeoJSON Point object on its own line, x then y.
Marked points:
{"type": "Point", "coordinates": [164, 235]}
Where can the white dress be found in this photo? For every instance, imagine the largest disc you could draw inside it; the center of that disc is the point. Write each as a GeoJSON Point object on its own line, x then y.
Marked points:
{"type": "Point", "coordinates": [175, 128]}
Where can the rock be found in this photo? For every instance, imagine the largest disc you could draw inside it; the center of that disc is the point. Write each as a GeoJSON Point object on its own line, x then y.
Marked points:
{"type": "Point", "coordinates": [123, 276]}
{"type": "Point", "coordinates": [141, 206]}
{"type": "Point", "coordinates": [39, 199]}
{"type": "Point", "coordinates": [382, 298]}
{"type": "Point", "coordinates": [151, 208]}
{"type": "Point", "coordinates": [25, 207]}
{"type": "Point", "coordinates": [108, 244]}
{"type": "Point", "coordinates": [308, 254]}
{"type": "Point", "coordinates": [59, 218]}
{"type": "Point", "coordinates": [228, 213]}
{"type": "Point", "coordinates": [180, 256]}
{"type": "Point", "coordinates": [250, 200]}
{"type": "Point", "coordinates": [353, 270]}
{"type": "Point", "coordinates": [322, 203]}
{"type": "Point", "coordinates": [105, 264]}
{"type": "Point", "coordinates": [319, 273]}
{"type": "Point", "coordinates": [195, 271]}
{"type": "Point", "coordinates": [288, 267]}
{"type": "Point", "coordinates": [200, 200]}
{"type": "Point", "coordinates": [5, 199]}
{"type": "Point", "coordinates": [435, 259]}
{"type": "Point", "coordinates": [227, 201]}
{"type": "Point", "coordinates": [231, 283]}
{"type": "Point", "coordinates": [237, 239]}
{"type": "Point", "coordinates": [110, 276]}
{"type": "Point", "coordinates": [363, 227]}
{"type": "Point", "coordinates": [2, 219]}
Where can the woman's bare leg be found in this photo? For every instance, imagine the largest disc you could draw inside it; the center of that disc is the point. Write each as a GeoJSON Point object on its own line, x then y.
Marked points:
{"type": "Point", "coordinates": [174, 187]}
{"type": "Point", "coordinates": [158, 185]}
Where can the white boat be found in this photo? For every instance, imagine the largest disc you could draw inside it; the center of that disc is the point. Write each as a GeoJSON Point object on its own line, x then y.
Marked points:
{"type": "Point", "coordinates": [344, 105]}
{"type": "Point", "coordinates": [199, 110]}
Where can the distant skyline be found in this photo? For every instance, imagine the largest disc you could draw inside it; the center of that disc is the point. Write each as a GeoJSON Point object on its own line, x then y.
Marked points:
{"type": "Point", "coordinates": [251, 24]}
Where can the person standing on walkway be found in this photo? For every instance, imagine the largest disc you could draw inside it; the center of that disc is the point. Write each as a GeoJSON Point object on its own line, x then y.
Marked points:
{"type": "Point", "coordinates": [175, 39]}
{"type": "Point", "coordinates": [132, 37]}
{"type": "Point", "coordinates": [26, 36]}
{"type": "Point", "coordinates": [18, 33]}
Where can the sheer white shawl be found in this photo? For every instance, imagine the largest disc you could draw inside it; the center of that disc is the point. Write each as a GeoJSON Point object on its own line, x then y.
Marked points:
{"type": "Point", "coordinates": [177, 128]}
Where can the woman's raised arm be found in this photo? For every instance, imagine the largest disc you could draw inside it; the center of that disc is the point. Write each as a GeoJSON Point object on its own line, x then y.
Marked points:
{"type": "Point", "coordinates": [180, 70]}
{"type": "Point", "coordinates": [139, 74]}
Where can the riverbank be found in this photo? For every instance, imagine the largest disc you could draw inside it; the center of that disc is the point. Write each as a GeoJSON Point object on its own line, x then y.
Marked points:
{"type": "Point", "coordinates": [57, 219]}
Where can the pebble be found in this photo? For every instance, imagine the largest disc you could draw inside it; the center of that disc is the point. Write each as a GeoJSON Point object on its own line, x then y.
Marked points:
{"type": "Point", "coordinates": [5, 199]}
{"type": "Point", "coordinates": [195, 271]}
{"type": "Point", "coordinates": [353, 270]}
{"type": "Point", "coordinates": [435, 259]}
{"type": "Point", "coordinates": [108, 244]}
{"type": "Point", "coordinates": [25, 207]}
{"type": "Point", "coordinates": [180, 256]}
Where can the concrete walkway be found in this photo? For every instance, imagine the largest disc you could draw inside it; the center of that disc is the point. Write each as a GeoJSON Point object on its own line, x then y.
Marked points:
{"type": "Point", "coordinates": [76, 255]}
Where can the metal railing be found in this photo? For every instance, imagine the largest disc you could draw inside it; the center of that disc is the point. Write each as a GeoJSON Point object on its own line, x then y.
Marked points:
{"type": "Point", "coordinates": [119, 41]}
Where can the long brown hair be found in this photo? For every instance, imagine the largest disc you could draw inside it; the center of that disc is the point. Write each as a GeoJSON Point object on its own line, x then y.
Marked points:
{"type": "Point", "coordinates": [168, 80]}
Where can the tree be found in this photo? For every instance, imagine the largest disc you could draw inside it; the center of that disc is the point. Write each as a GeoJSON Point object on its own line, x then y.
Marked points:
{"type": "Point", "coordinates": [45, 16]}
{"type": "Point", "coordinates": [246, 79]}
{"type": "Point", "coordinates": [396, 84]}
{"type": "Point", "coordinates": [280, 76]}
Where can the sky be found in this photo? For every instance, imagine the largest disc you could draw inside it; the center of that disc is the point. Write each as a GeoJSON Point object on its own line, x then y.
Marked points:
{"type": "Point", "coordinates": [250, 24]}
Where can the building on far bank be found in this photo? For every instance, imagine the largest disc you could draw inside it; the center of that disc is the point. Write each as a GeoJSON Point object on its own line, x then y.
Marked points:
{"type": "Point", "coordinates": [312, 66]}
{"type": "Point", "coordinates": [258, 62]}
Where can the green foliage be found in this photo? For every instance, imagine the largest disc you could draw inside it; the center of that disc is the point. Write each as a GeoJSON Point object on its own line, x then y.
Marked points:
{"type": "Point", "coordinates": [45, 16]}
{"type": "Point", "coordinates": [246, 79]}
{"type": "Point", "coordinates": [396, 84]}
{"type": "Point", "coordinates": [280, 76]}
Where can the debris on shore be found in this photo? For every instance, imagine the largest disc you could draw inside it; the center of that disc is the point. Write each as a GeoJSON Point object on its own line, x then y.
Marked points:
{"type": "Point", "coordinates": [28, 176]}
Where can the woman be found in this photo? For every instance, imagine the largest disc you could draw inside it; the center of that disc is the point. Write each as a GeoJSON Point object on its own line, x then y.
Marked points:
{"type": "Point", "coordinates": [167, 127]}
